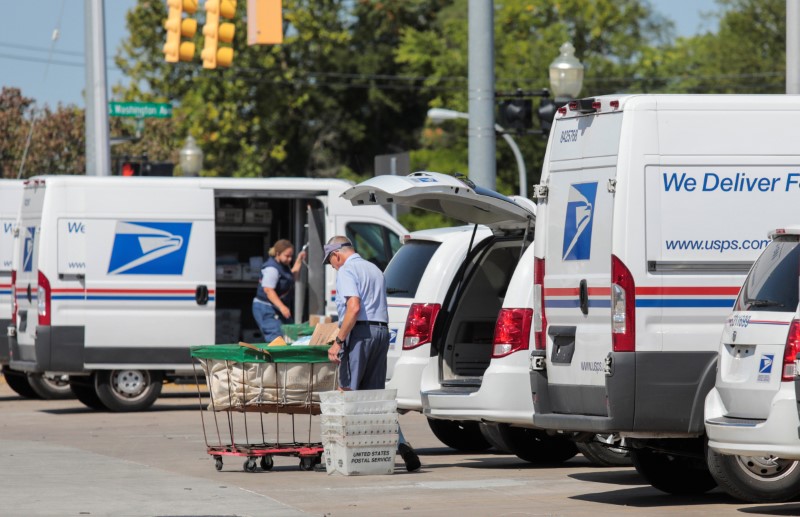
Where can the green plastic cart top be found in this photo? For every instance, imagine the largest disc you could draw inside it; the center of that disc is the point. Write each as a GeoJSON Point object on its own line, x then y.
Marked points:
{"type": "Point", "coordinates": [273, 354]}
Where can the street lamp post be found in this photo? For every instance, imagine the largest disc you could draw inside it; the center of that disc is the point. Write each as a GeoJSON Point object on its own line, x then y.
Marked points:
{"type": "Point", "coordinates": [440, 114]}
{"type": "Point", "coordinates": [191, 158]}
{"type": "Point", "coordinates": [566, 73]}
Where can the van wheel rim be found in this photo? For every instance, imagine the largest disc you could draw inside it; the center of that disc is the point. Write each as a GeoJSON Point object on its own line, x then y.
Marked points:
{"type": "Point", "coordinates": [769, 468]}
{"type": "Point", "coordinates": [129, 384]}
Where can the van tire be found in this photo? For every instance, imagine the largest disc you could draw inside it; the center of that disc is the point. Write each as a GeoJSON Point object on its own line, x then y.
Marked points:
{"type": "Point", "coordinates": [494, 437]}
{"type": "Point", "coordinates": [83, 388]}
{"type": "Point", "coordinates": [756, 479]}
{"type": "Point", "coordinates": [679, 475]}
{"type": "Point", "coordinates": [536, 446]}
{"type": "Point", "coordinates": [459, 435]}
{"type": "Point", "coordinates": [50, 387]}
{"type": "Point", "coordinates": [18, 382]}
{"type": "Point", "coordinates": [128, 390]}
{"type": "Point", "coordinates": [604, 455]}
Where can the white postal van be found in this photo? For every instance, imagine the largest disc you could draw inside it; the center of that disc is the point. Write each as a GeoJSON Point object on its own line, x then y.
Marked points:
{"type": "Point", "coordinates": [118, 277]}
{"type": "Point", "coordinates": [10, 201]}
{"type": "Point", "coordinates": [651, 210]}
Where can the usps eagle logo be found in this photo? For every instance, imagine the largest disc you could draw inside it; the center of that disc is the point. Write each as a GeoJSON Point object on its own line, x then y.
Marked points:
{"type": "Point", "coordinates": [578, 221]}
{"type": "Point", "coordinates": [27, 250]}
{"type": "Point", "coordinates": [149, 248]}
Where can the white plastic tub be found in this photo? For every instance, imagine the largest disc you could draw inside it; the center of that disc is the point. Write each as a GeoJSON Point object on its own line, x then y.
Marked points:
{"type": "Point", "coordinates": [361, 455]}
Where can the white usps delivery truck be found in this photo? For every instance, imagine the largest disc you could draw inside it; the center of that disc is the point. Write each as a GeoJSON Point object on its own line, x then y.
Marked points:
{"type": "Point", "coordinates": [116, 278]}
{"type": "Point", "coordinates": [10, 201]}
{"type": "Point", "coordinates": [651, 210]}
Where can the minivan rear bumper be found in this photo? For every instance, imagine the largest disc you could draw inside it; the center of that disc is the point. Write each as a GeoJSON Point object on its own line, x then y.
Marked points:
{"type": "Point", "coordinates": [407, 376]}
{"type": "Point", "coordinates": [776, 435]}
{"type": "Point", "coordinates": [502, 397]}
{"type": "Point", "coordinates": [645, 392]}
{"type": "Point", "coordinates": [42, 356]}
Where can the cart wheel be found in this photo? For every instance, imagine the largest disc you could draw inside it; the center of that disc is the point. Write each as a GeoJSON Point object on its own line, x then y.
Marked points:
{"type": "Point", "coordinates": [307, 463]}
{"type": "Point", "coordinates": [249, 465]}
{"type": "Point", "coordinates": [266, 463]}
{"type": "Point", "coordinates": [218, 462]}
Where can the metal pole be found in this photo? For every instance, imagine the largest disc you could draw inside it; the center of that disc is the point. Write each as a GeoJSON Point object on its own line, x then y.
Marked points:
{"type": "Point", "coordinates": [98, 150]}
{"type": "Point", "coordinates": [523, 173]}
{"type": "Point", "coordinates": [482, 147]}
{"type": "Point", "coordinates": [792, 46]}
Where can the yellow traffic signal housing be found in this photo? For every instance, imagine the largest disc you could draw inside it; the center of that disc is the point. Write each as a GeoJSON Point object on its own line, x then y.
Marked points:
{"type": "Point", "coordinates": [215, 32]}
{"type": "Point", "coordinates": [179, 27]}
{"type": "Point", "coordinates": [264, 22]}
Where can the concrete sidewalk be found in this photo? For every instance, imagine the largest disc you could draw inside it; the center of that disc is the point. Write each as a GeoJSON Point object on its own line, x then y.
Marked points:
{"type": "Point", "coordinates": [70, 481]}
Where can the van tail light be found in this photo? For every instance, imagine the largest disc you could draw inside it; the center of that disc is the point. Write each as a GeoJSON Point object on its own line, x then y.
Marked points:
{"type": "Point", "coordinates": [14, 297]}
{"type": "Point", "coordinates": [43, 300]}
{"type": "Point", "coordinates": [512, 332]}
{"type": "Point", "coordinates": [539, 316]}
{"type": "Point", "coordinates": [623, 308]}
{"type": "Point", "coordinates": [419, 324]}
{"type": "Point", "coordinates": [790, 352]}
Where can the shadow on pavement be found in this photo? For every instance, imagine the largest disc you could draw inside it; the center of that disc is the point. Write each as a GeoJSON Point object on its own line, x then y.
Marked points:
{"type": "Point", "coordinates": [627, 476]}
{"type": "Point", "coordinates": [76, 410]}
{"type": "Point", "coordinates": [649, 497]}
{"type": "Point", "coordinates": [774, 509]}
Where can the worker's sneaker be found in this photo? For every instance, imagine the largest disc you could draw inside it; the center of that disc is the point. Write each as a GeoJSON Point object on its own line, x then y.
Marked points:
{"type": "Point", "coordinates": [410, 457]}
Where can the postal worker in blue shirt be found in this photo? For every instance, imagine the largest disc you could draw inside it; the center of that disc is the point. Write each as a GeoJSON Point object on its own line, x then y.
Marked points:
{"type": "Point", "coordinates": [275, 292]}
{"type": "Point", "coordinates": [363, 339]}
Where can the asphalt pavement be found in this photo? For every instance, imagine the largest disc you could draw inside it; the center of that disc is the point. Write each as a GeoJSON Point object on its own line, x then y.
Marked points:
{"type": "Point", "coordinates": [58, 458]}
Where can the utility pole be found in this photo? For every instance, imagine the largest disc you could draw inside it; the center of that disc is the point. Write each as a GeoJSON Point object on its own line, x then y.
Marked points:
{"type": "Point", "coordinates": [792, 46]}
{"type": "Point", "coordinates": [480, 84]}
{"type": "Point", "coordinates": [98, 150]}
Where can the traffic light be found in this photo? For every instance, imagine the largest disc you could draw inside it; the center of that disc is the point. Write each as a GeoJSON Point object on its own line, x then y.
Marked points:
{"type": "Point", "coordinates": [179, 27]}
{"type": "Point", "coordinates": [129, 168]}
{"type": "Point", "coordinates": [215, 32]}
{"type": "Point", "coordinates": [547, 112]}
{"type": "Point", "coordinates": [515, 114]}
{"type": "Point", "coordinates": [264, 22]}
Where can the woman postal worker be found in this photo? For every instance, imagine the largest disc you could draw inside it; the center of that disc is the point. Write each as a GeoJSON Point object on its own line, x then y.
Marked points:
{"type": "Point", "coordinates": [275, 292]}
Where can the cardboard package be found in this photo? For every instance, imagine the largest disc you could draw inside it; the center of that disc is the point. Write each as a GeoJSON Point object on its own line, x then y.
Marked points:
{"type": "Point", "coordinates": [324, 333]}
{"type": "Point", "coordinates": [315, 319]}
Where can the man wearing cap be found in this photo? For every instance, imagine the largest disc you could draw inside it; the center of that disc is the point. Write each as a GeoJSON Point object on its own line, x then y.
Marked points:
{"type": "Point", "coordinates": [363, 339]}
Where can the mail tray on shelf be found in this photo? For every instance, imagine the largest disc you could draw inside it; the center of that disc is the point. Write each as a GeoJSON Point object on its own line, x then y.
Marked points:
{"type": "Point", "coordinates": [274, 379]}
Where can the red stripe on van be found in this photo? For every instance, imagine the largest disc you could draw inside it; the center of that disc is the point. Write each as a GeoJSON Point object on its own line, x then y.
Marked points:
{"type": "Point", "coordinates": [128, 291]}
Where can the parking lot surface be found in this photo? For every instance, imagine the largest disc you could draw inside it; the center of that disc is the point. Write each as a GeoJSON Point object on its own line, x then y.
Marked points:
{"type": "Point", "coordinates": [59, 458]}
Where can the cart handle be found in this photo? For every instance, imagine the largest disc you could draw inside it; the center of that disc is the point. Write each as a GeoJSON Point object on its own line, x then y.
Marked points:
{"type": "Point", "coordinates": [253, 347]}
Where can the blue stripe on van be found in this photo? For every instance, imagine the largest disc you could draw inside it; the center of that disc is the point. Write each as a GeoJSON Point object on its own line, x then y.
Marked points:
{"type": "Point", "coordinates": [574, 303]}
{"type": "Point", "coordinates": [671, 303]}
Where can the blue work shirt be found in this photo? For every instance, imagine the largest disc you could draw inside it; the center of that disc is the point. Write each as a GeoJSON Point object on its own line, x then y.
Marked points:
{"type": "Point", "coordinates": [361, 278]}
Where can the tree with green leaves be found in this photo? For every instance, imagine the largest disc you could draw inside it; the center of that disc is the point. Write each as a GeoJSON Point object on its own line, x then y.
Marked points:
{"type": "Point", "coordinates": [323, 103]}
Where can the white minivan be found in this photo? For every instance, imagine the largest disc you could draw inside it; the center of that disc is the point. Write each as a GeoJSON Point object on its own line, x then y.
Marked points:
{"type": "Point", "coordinates": [417, 281]}
{"type": "Point", "coordinates": [752, 412]}
{"type": "Point", "coordinates": [115, 277]}
{"type": "Point", "coordinates": [468, 377]}
{"type": "Point", "coordinates": [651, 210]}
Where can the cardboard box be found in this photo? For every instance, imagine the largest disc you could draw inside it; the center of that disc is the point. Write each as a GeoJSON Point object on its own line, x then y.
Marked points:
{"type": "Point", "coordinates": [324, 333]}
{"type": "Point", "coordinates": [315, 319]}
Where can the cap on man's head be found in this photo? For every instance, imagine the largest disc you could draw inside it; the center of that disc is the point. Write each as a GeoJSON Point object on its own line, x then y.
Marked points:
{"type": "Point", "coordinates": [330, 248]}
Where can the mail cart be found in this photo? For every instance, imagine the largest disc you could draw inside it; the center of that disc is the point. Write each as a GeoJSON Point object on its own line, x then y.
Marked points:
{"type": "Point", "coordinates": [256, 392]}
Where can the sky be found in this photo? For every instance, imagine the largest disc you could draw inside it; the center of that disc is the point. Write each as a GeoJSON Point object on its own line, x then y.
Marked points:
{"type": "Point", "coordinates": [26, 30]}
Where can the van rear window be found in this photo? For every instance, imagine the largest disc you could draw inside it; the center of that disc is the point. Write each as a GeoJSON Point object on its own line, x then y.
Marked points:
{"type": "Point", "coordinates": [772, 285]}
{"type": "Point", "coordinates": [407, 266]}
